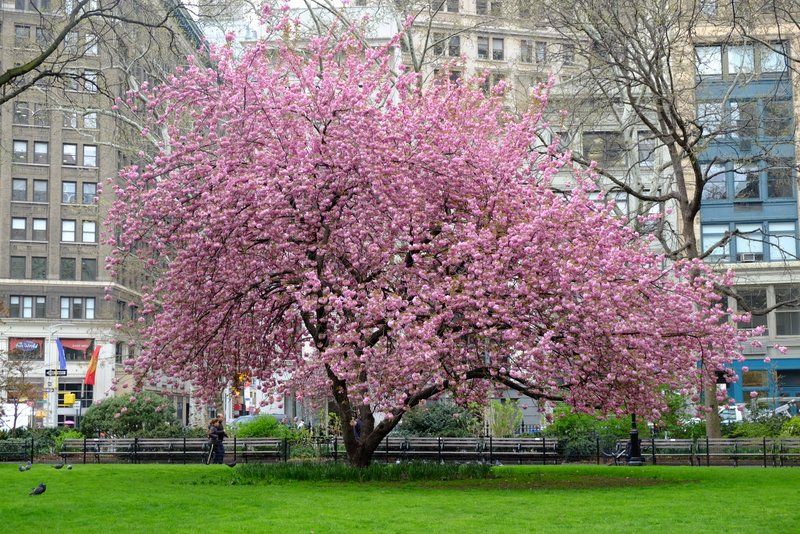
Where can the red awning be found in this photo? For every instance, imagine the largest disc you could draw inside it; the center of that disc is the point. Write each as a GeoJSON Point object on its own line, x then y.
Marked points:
{"type": "Point", "coordinates": [77, 344]}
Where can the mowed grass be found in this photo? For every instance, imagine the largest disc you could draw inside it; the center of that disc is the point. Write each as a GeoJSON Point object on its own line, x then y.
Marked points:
{"type": "Point", "coordinates": [201, 499]}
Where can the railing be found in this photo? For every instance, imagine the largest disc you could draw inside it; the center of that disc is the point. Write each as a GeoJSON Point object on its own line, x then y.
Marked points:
{"type": "Point", "coordinates": [765, 452]}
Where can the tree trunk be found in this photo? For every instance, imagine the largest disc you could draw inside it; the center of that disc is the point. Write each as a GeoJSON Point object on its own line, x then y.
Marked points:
{"type": "Point", "coordinates": [713, 424]}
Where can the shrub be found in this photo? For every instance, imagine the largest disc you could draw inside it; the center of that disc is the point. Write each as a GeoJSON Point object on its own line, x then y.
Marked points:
{"type": "Point", "coordinates": [255, 473]}
{"type": "Point", "coordinates": [64, 435]}
{"type": "Point", "coordinates": [578, 433]}
{"type": "Point", "coordinates": [506, 418]}
{"type": "Point", "coordinates": [148, 415]}
{"type": "Point", "coordinates": [791, 428]}
{"type": "Point", "coordinates": [440, 419]}
{"type": "Point", "coordinates": [764, 427]}
{"type": "Point", "coordinates": [263, 426]}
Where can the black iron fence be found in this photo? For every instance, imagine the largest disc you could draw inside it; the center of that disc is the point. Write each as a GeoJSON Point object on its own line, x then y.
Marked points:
{"type": "Point", "coordinates": [766, 452]}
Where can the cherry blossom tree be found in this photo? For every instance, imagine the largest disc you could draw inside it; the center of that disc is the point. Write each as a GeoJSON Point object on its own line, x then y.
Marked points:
{"type": "Point", "coordinates": [331, 228]}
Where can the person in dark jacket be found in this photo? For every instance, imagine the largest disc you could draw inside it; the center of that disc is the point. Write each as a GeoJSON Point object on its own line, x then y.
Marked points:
{"type": "Point", "coordinates": [217, 430]}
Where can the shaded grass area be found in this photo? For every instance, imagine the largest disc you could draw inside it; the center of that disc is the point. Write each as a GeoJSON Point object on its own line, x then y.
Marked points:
{"type": "Point", "coordinates": [193, 498]}
{"type": "Point", "coordinates": [336, 472]}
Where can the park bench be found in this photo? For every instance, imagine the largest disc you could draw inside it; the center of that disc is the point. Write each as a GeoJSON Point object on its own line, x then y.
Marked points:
{"type": "Point", "coordinates": [787, 451]}
{"type": "Point", "coordinates": [525, 450]}
{"type": "Point", "coordinates": [258, 449]}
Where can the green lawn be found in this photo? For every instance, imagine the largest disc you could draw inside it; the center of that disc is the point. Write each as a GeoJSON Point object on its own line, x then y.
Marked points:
{"type": "Point", "coordinates": [201, 500]}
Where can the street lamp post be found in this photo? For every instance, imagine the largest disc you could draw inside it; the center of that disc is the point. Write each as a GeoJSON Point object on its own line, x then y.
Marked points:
{"type": "Point", "coordinates": [52, 395]}
{"type": "Point", "coordinates": [635, 456]}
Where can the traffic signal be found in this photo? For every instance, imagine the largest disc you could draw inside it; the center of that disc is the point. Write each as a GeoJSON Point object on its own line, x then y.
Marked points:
{"type": "Point", "coordinates": [69, 399]}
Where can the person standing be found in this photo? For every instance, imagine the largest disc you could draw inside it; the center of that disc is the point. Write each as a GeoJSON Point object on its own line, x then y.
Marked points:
{"type": "Point", "coordinates": [219, 450]}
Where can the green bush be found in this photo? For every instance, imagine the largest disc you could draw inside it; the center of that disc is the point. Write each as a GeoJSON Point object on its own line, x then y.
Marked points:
{"type": "Point", "coordinates": [256, 473]}
{"type": "Point", "coordinates": [443, 418]}
{"type": "Point", "coordinates": [263, 426]}
{"type": "Point", "coordinates": [764, 427]}
{"type": "Point", "coordinates": [150, 415]}
{"type": "Point", "coordinates": [506, 418]}
{"type": "Point", "coordinates": [578, 433]}
{"type": "Point", "coordinates": [791, 428]}
{"type": "Point", "coordinates": [66, 434]}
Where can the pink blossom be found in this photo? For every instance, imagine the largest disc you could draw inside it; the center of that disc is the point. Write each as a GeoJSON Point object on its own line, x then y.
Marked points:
{"type": "Point", "coordinates": [753, 394]}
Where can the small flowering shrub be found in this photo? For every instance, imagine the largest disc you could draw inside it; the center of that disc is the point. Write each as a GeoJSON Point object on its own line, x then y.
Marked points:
{"type": "Point", "coordinates": [791, 428]}
{"type": "Point", "coordinates": [131, 416]}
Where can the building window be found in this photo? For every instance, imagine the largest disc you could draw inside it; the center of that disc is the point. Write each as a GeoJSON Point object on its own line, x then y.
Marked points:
{"type": "Point", "coordinates": [91, 45]}
{"type": "Point", "coordinates": [90, 120]}
{"type": "Point", "coordinates": [20, 153]}
{"type": "Point", "coordinates": [89, 232]}
{"type": "Point", "coordinates": [90, 81]}
{"type": "Point", "coordinates": [77, 308]}
{"type": "Point", "coordinates": [67, 269]}
{"type": "Point", "coordinates": [777, 118]}
{"type": "Point", "coordinates": [88, 269]}
{"type": "Point", "coordinates": [772, 58]}
{"type": "Point", "coordinates": [756, 299]}
{"type": "Point", "coordinates": [787, 317]}
{"type": "Point", "coordinates": [568, 53]}
{"type": "Point", "coordinates": [38, 268]}
{"type": "Point", "coordinates": [18, 264]}
{"type": "Point", "coordinates": [454, 46]}
{"type": "Point", "coordinates": [483, 47]}
{"type": "Point", "coordinates": [496, 7]}
{"type": "Point", "coordinates": [482, 7]}
{"type": "Point", "coordinates": [41, 152]}
{"type": "Point", "coordinates": [19, 189]}
{"type": "Point", "coordinates": [71, 42]}
{"type": "Point", "coordinates": [40, 190]}
{"type": "Point", "coordinates": [779, 179]}
{"type": "Point", "coordinates": [452, 6]}
{"type": "Point", "coordinates": [746, 181]}
{"type": "Point", "coordinates": [541, 52]}
{"type": "Point", "coordinates": [68, 231]}
{"type": "Point", "coordinates": [716, 187]}
{"type": "Point", "coordinates": [22, 34]}
{"type": "Point", "coordinates": [22, 113]}
{"type": "Point", "coordinates": [89, 156]}
{"type": "Point", "coordinates": [438, 43]}
{"type": "Point", "coordinates": [41, 116]}
{"type": "Point", "coordinates": [741, 59]}
{"type": "Point", "coordinates": [709, 60]}
{"type": "Point", "coordinates": [749, 245]}
{"type": "Point", "coordinates": [498, 49]}
{"type": "Point", "coordinates": [70, 119]}
{"type": "Point", "coordinates": [89, 192]}
{"type": "Point", "coordinates": [26, 307]}
{"type": "Point", "coordinates": [782, 241]}
{"type": "Point", "coordinates": [712, 234]}
{"type": "Point", "coordinates": [647, 149]}
{"type": "Point", "coordinates": [526, 51]}
{"type": "Point", "coordinates": [39, 230]}
{"type": "Point", "coordinates": [755, 379]}
{"type": "Point", "coordinates": [605, 148]}
{"type": "Point", "coordinates": [70, 155]}
{"type": "Point", "coordinates": [19, 227]}
{"type": "Point", "coordinates": [69, 192]}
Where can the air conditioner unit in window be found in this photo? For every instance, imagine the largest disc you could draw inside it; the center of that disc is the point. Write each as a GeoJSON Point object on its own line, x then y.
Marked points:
{"type": "Point", "coordinates": [750, 257]}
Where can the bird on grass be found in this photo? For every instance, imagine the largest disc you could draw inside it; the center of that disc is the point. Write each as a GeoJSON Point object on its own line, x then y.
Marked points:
{"type": "Point", "coordinates": [59, 466]}
{"type": "Point", "coordinates": [69, 466]}
{"type": "Point", "coordinates": [38, 490]}
{"type": "Point", "coordinates": [231, 464]}
{"type": "Point", "coordinates": [25, 467]}
{"type": "Point", "coordinates": [21, 468]}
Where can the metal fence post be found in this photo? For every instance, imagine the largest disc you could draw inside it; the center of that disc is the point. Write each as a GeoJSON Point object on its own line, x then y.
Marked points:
{"type": "Point", "coordinates": [32, 448]}
{"type": "Point", "coordinates": [135, 450]}
{"type": "Point", "coordinates": [335, 449]}
{"type": "Point", "coordinates": [708, 453]}
{"type": "Point", "coordinates": [184, 450]}
{"type": "Point", "coordinates": [691, 453]}
{"type": "Point", "coordinates": [439, 444]}
{"type": "Point", "coordinates": [84, 450]}
{"type": "Point", "coordinates": [765, 451]}
{"type": "Point", "coordinates": [491, 451]}
{"type": "Point", "coordinates": [387, 449]}
{"type": "Point", "coordinates": [234, 449]}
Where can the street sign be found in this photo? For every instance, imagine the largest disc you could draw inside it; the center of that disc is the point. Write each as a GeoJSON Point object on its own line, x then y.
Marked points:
{"type": "Point", "coordinates": [55, 372]}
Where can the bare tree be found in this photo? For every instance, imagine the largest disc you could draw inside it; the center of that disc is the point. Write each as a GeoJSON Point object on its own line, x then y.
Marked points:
{"type": "Point", "coordinates": [669, 99]}
{"type": "Point", "coordinates": [17, 386]}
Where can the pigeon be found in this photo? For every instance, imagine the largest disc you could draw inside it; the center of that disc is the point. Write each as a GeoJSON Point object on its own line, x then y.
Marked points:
{"type": "Point", "coordinates": [22, 468]}
{"type": "Point", "coordinates": [59, 466]}
{"type": "Point", "coordinates": [69, 466]}
{"type": "Point", "coordinates": [38, 490]}
{"type": "Point", "coordinates": [28, 466]}
{"type": "Point", "coordinates": [232, 464]}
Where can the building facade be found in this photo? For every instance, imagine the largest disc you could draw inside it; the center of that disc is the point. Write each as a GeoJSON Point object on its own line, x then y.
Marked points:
{"type": "Point", "coordinates": [59, 144]}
